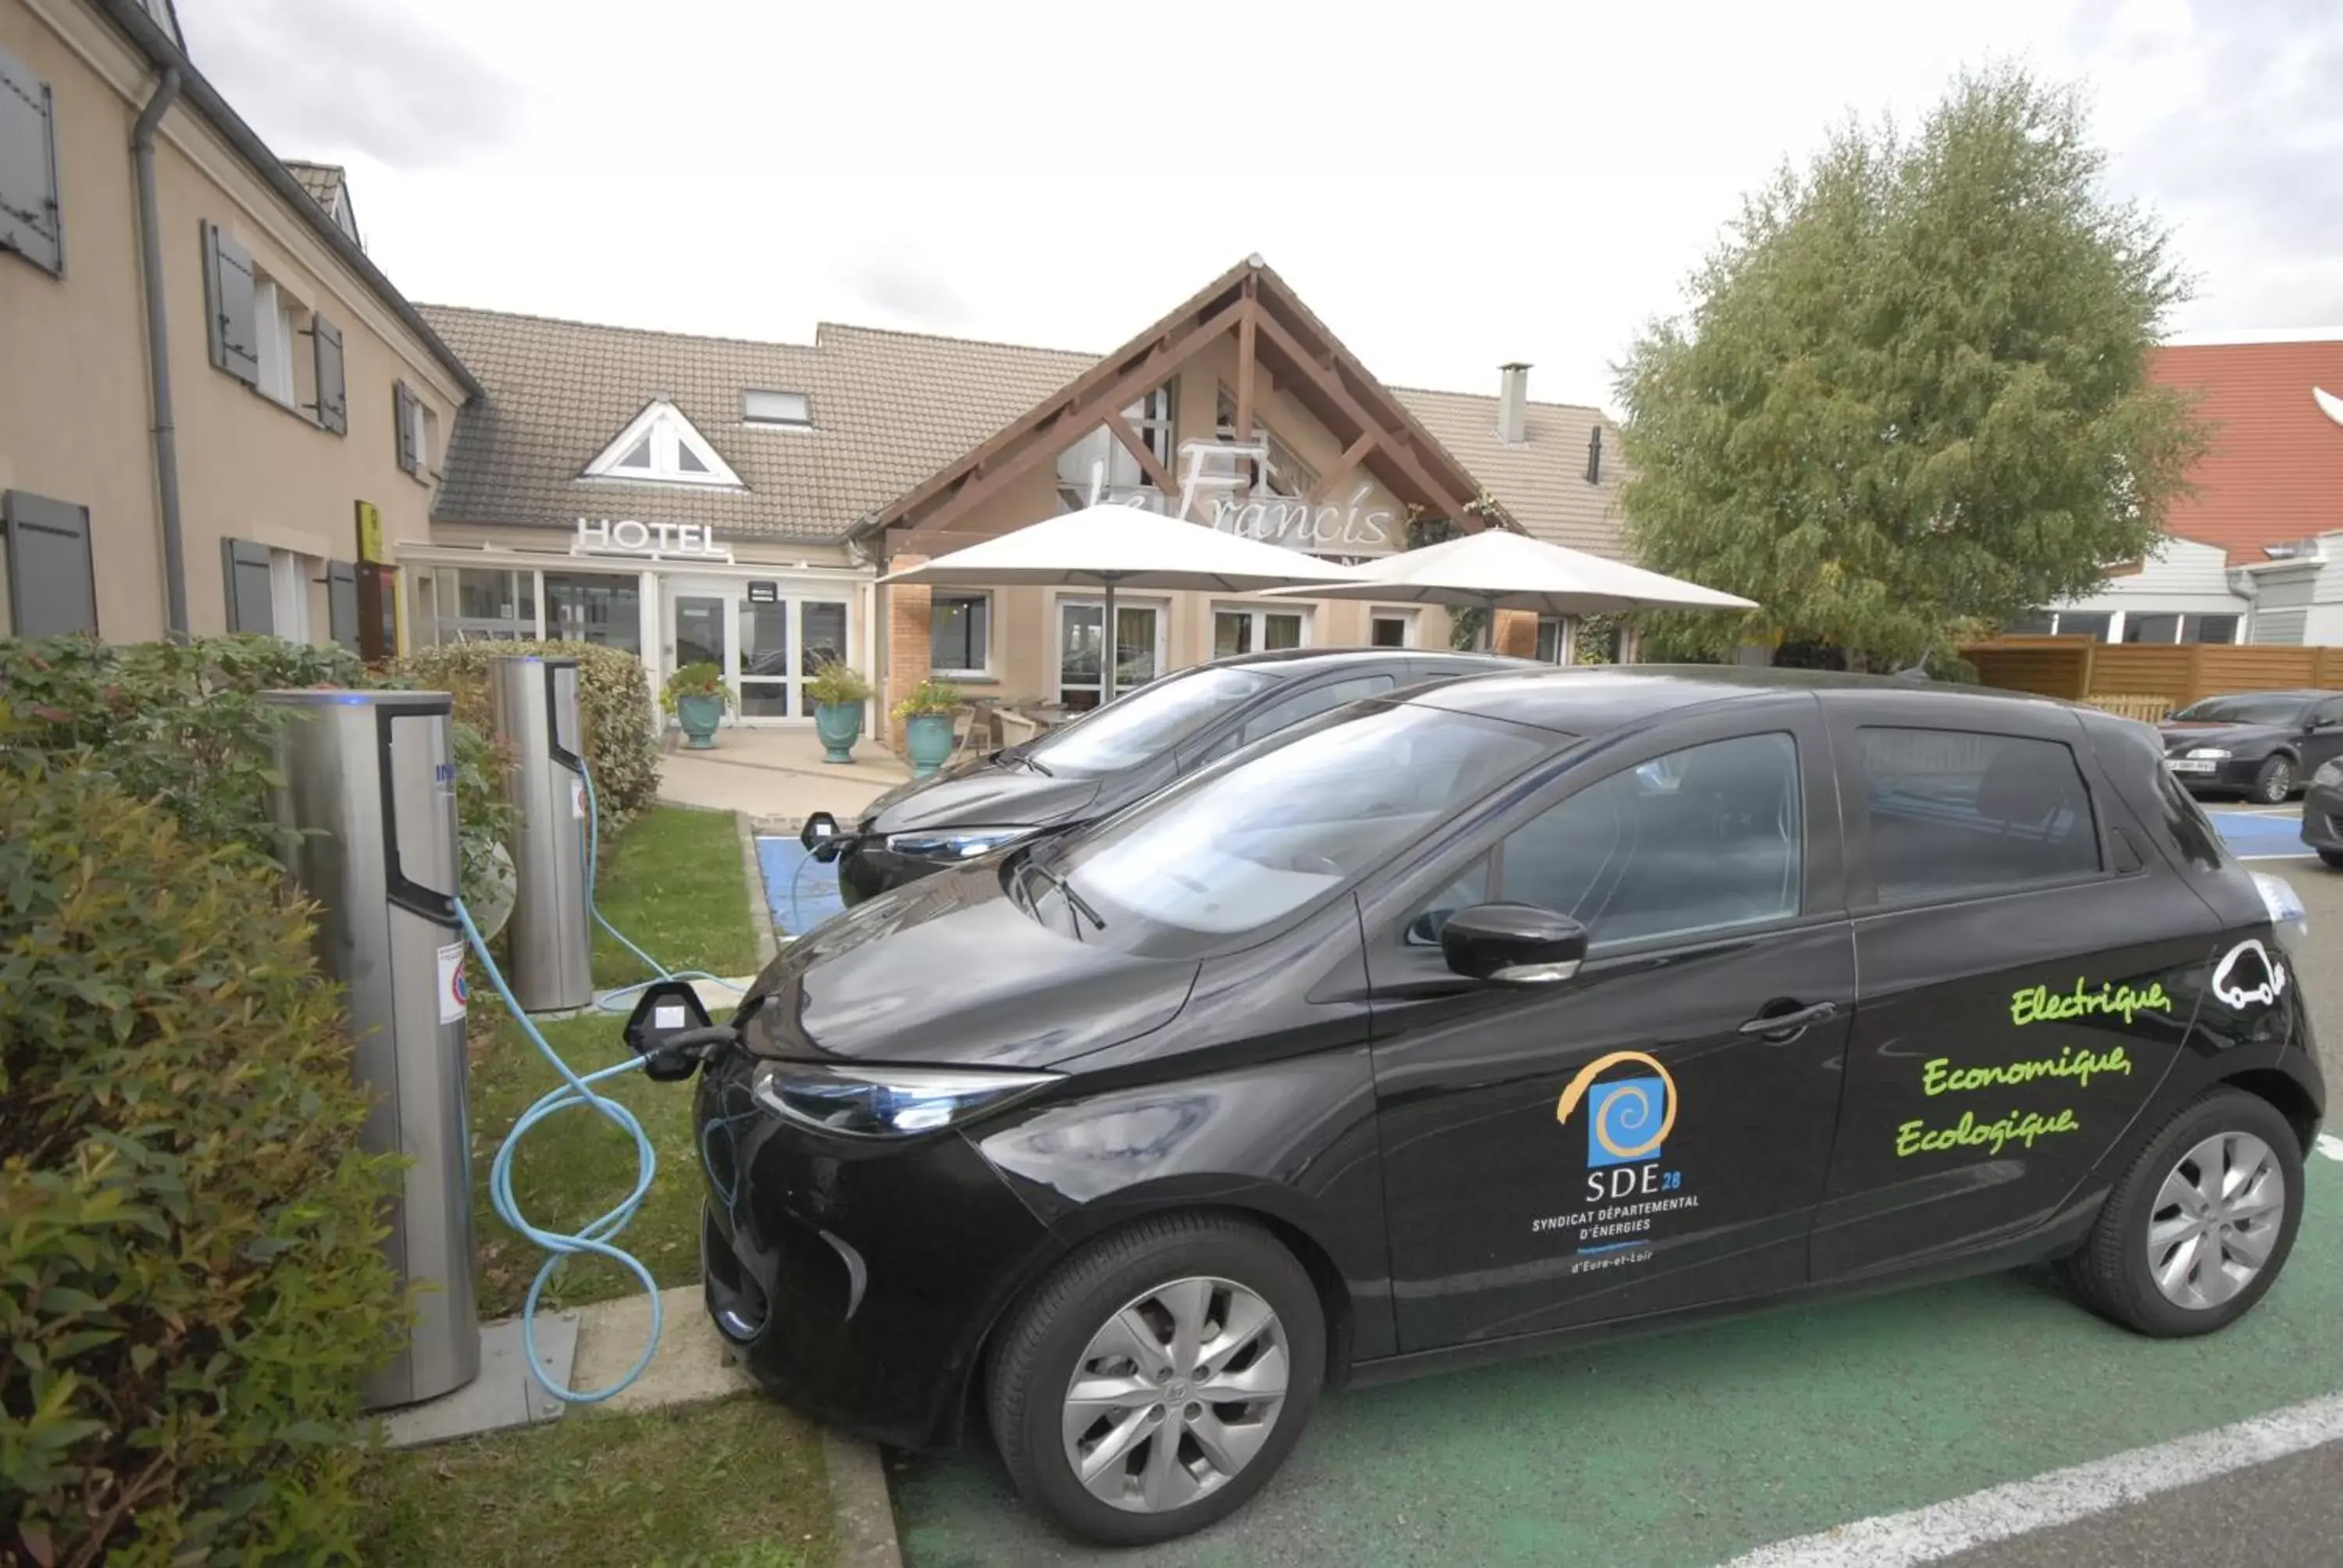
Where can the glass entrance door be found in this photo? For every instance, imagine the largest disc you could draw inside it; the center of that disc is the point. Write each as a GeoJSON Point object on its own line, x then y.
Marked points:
{"type": "Point", "coordinates": [767, 649]}
{"type": "Point", "coordinates": [1082, 634]}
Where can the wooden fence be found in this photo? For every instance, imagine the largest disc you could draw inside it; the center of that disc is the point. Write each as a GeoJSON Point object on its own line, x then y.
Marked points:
{"type": "Point", "coordinates": [2131, 678]}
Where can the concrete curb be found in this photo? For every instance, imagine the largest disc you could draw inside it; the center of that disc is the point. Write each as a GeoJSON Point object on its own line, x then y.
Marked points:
{"type": "Point", "coordinates": [760, 911]}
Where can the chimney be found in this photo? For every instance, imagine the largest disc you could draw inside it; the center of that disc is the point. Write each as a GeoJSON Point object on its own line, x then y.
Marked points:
{"type": "Point", "coordinates": [1512, 403]}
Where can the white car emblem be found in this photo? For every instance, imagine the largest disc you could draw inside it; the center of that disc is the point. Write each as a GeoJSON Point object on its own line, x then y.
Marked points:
{"type": "Point", "coordinates": [2273, 980]}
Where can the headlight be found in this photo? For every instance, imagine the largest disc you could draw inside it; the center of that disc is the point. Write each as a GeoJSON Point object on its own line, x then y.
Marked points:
{"type": "Point", "coordinates": [955, 843]}
{"type": "Point", "coordinates": [886, 1101]}
{"type": "Point", "coordinates": [2209, 753]}
{"type": "Point", "coordinates": [2329, 777]}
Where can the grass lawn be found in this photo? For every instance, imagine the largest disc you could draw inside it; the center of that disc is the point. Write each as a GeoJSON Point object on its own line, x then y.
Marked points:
{"type": "Point", "coordinates": [736, 1483]}
{"type": "Point", "coordinates": [672, 881]}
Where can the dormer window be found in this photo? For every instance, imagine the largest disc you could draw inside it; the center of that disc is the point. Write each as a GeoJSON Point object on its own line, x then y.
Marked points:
{"type": "Point", "coordinates": [777, 411]}
{"type": "Point", "coordinates": [661, 447]}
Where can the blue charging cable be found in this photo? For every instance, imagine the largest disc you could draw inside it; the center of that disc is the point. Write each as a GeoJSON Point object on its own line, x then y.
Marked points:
{"type": "Point", "coordinates": [593, 863]}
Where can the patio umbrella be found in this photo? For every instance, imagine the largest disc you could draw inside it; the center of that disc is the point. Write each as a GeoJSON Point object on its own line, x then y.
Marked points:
{"type": "Point", "coordinates": [1495, 570]}
{"type": "Point", "coordinates": [1115, 547]}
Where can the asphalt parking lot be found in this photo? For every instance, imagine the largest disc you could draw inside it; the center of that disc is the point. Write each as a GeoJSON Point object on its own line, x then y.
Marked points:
{"type": "Point", "coordinates": [1859, 1433]}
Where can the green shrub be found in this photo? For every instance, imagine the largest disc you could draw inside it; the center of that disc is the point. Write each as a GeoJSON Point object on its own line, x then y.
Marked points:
{"type": "Point", "coordinates": [191, 1278]}
{"type": "Point", "coordinates": [929, 696]}
{"type": "Point", "coordinates": [614, 701]}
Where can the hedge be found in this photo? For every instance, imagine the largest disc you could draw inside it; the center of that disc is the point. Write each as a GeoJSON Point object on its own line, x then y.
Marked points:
{"type": "Point", "coordinates": [614, 701]}
{"type": "Point", "coordinates": [192, 1282]}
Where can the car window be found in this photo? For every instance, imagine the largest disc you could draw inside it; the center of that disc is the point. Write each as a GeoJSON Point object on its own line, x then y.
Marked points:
{"type": "Point", "coordinates": [1242, 848]}
{"type": "Point", "coordinates": [1293, 709]}
{"type": "Point", "coordinates": [2327, 713]}
{"type": "Point", "coordinates": [1148, 722]}
{"type": "Point", "coordinates": [2250, 708]}
{"type": "Point", "coordinates": [1702, 840]}
{"type": "Point", "coordinates": [1955, 811]}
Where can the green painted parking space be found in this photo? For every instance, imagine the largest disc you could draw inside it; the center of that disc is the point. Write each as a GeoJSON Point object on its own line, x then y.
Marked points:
{"type": "Point", "coordinates": [1684, 1450]}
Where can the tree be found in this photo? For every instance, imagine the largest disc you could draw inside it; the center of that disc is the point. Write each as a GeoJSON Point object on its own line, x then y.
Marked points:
{"type": "Point", "coordinates": [1910, 399]}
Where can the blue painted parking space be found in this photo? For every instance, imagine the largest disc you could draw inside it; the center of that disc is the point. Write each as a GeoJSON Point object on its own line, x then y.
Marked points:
{"type": "Point", "coordinates": [801, 891]}
{"type": "Point", "coordinates": [2261, 835]}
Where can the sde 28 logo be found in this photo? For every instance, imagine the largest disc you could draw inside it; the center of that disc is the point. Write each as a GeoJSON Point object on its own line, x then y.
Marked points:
{"type": "Point", "coordinates": [1628, 1121]}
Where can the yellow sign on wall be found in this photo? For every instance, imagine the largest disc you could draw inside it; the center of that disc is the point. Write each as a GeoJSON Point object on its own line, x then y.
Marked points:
{"type": "Point", "coordinates": [370, 548]}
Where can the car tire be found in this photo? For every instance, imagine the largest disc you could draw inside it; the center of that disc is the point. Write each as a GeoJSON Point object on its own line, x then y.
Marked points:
{"type": "Point", "coordinates": [2274, 781]}
{"type": "Point", "coordinates": [2333, 858]}
{"type": "Point", "coordinates": [2161, 1197]}
{"type": "Point", "coordinates": [1102, 1297]}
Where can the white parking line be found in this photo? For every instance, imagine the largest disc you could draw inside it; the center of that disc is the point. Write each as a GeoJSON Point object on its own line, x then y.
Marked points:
{"type": "Point", "coordinates": [2061, 1497]}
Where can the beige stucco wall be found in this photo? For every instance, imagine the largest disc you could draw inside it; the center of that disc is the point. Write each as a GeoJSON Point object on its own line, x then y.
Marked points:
{"type": "Point", "coordinates": [1025, 619]}
{"type": "Point", "coordinates": [74, 417]}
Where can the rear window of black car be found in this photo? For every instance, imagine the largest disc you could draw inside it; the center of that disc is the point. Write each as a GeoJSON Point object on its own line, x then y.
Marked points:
{"type": "Point", "coordinates": [2251, 708]}
{"type": "Point", "coordinates": [1956, 812]}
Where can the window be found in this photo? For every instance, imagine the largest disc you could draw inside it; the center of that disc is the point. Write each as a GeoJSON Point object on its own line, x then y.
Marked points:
{"type": "Point", "coordinates": [1101, 464]}
{"type": "Point", "coordinates": [2138, 628]}
{"type": "Point", "coordinates": [1554, 639]}
{"type": "Point", "coordinates": [1287, 475]}
{"type": "Point", "coordinates": [959, 626]}
{"type": "Point", "coordinates": [417, 429]}
{"type": "Point", "coordinates": [480, 605]}
{"type": "Point", "coordinates": [1704, 839]}
{"type": "Point", "coordinates": [1301, 705]}
{"type": "Point", "coordinates": [602, 609]}
{"type": "Point", "coordinates": [1150, 722]}
{"type": "Point", "coordinates": [250, 586]}
{"type": "Point", "coordinates": [342, 603]}
{"type": "Point", "coordinates": [52, 587]}
{"type": "Point", "coordinates": [1236, 631]}
{"type": "Point", "coordinates": [288, 594]}
{"type": "Point", "coordinates": [1082, 635]}
{"type": "Point", "coordinates": [782, 411]}
{"type": "Point", "coordinates": [2327, 714]}
{"type": "Point", "coordinates": [2208, 628]}
{"type": "Point", "coordinates": [1954, 812]}
{"type": "Point", "coordinates": [1397, 630]}
{"type": "Point", "coordinates": [30, 218]}
{"type": "Point", "coordinates": [661, 447]}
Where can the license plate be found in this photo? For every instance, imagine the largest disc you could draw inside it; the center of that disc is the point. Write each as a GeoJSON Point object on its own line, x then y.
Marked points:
{"type": "Point", "coordinates": [2191, 765]}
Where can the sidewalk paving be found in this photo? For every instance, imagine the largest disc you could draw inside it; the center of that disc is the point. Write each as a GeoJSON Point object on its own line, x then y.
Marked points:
{"type": "Point", "coordinates": [777, 775]}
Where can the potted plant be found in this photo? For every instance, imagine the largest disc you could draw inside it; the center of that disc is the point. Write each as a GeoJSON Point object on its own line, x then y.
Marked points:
{"type": "Point", "coordinates": [838, 692]}
{"type": "Point", "coordinates": [695, 694]}
{"type": "Point", "coordinates": [927, 714]}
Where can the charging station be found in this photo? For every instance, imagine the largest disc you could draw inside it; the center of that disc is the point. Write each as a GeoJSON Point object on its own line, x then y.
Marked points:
{"type": "Point", "coordinates": [534, 702]}
{"type": "Point", "coordinates": [368, 803]}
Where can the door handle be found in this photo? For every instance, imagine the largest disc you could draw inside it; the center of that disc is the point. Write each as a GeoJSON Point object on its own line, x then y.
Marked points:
{"type": "Point", "coordinates": [1781, 1026]}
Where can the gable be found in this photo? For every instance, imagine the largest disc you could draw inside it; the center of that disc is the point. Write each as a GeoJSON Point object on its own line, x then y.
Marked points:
{"type": "Point", "coordinates": [659, 445]}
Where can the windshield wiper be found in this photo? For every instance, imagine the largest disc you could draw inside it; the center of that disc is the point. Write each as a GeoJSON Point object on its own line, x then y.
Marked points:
{"type": "Point", "coordinates": [1026, 757]}
{"type": "Point", "coordinates": [1074, 901]}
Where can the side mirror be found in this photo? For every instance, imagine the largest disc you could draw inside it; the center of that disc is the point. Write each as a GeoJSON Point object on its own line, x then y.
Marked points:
{"type": "Point", "coordinates": [819, 837]}
{"type": "Point", "coordinates": [1513, 944]}
{"type": "Point", "coordinates": [668, 1021]}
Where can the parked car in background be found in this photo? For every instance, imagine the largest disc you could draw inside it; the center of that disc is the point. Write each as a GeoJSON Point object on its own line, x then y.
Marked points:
{"type": "Point", "coordinates": [1482, 1020]}
{"type": "Point", "coordinates": [1110, 757]}
{"type": "Point", "coordinates": [2322, 812]}
{"type": "Point", "coordinates": [2258, 744]}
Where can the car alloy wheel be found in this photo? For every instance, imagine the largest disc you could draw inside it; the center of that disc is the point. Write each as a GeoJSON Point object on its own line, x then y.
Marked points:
{"type": "Point", "coordinates": [1175, 1394]}
{"type": "Point", "coordinates": [2216, 1220]}
{"type": "Point", "coordinates": [2275, 782]}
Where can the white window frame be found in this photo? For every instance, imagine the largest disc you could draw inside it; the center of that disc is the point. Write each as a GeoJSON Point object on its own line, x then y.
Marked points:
{"type": "Point", "coordinates": [1411, 621]}
{"type": "Point", "coordinates": [288, 594]}
{"type": "Point", "coordinates": [1056, 669]}
{"type": "Point", "coordinates": [669, 432]}
{"type": "Point", "coordinates": [979, 672]}
{"type": "Point", "coordinates": [1566, 638]}
{"type": "Point", "coordinates": [1258, 614]}
{"type": "Point", "coordinates": [272, 315]}
{"type": "Point", "coordinates": [769, 422]}
{"type": "Point", "coordinates": [1154, 417]}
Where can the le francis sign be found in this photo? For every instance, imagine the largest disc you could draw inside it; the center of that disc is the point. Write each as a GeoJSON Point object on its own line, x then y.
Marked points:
{"type": "Point", "coordinates": [649, 541]}
{"type": "Point", "coordinates": [1215, 488]}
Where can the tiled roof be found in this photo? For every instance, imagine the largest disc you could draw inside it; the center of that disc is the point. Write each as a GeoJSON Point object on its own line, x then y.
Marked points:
{"type": "Point", "coordinates": [2275, 474]}
{"type": "Point", "coordinates": [1542, 481]}
{"type": "Point", "coordinates": [322, 181]}
{"type": "Point", "coordinates": [890, 409]}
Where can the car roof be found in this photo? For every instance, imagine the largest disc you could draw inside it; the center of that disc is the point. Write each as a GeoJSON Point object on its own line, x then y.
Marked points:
{"type": "Point", "coordinates": [2306, 693]}
{"type": "Point", "coordinates": [1294, 663]}
{"type": "Point", "coordinates": [1596, 699]}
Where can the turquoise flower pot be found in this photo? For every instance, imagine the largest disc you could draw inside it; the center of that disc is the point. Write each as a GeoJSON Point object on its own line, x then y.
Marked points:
{"type": "Point", "coordinates": [840, 725]}
{"type": "Point", "coordinates": [699, 716]}
{"type": "Point", "coordinates": [928, 737]}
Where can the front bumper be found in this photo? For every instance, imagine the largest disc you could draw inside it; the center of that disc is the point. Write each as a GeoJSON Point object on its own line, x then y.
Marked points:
{"type": "Point", "coordinates": [2322, 818]}
{"type": "Point", "coordinates": [857, 1277]}
{"type": "Point", "coordinates": [2211, 773]}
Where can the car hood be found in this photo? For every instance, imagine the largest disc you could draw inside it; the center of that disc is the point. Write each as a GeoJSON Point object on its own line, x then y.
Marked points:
{"type": "Point", "coordinates": [948, 969]}
{"type": "Point", "coordinates": [2179, 737]}
{"type": "Point", "coordinates": [983, 794]}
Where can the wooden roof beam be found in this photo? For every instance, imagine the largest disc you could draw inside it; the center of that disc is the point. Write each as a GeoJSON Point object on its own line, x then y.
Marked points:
{"type": "Point", "coordinates": [1328, 382]}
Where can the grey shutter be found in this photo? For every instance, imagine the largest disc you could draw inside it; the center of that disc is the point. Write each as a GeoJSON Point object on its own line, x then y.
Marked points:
{"type": "Point", "coordinates": [333, 407]}
{"type": "Point", "coordinates": [52, 589]}
{"type": "Point", "coordinates": [30, 222]}
{"type": "Point", "coordinates": [402, 410]}
{"type": "Point", "coordinates": [250, 605]}
{"type": "Point", "coordinates": [234, 324]}
{"type": "Point", "coordinates": [342, 603]}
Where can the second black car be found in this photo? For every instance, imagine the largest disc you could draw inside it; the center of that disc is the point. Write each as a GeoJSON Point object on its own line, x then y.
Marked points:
{"type": "Point", "coordinates": [2259, 744]}
{"type": "Point", "coordinates": [1111, 757]}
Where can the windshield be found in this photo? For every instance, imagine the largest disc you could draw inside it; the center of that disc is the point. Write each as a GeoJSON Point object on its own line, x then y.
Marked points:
{"type": "Point", "coordinates": [2253, 708]}
{"type": "Point", "coordinates": [1248, 843]}
{"type": "Point", "coordinates": [1148, 722]}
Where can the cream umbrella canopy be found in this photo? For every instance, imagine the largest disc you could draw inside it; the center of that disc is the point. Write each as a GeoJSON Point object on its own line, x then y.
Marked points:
{"type": "Point", "coordinates": [1115, 547]}
{"type": "Point", "coordinates": [1495, 570]}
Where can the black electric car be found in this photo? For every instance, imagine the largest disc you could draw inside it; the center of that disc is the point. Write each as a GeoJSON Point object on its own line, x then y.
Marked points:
{"type": "Point", "coordinates": [1465, 1022]}
{"type": "Point", "coordinates": [2259, 744]}
{"type": "Point", "coordinates": [1110, 757]}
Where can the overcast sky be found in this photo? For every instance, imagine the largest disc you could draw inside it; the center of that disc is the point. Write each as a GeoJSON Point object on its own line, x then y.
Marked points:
{"type": "Point", "coordinates": [1447, 186]}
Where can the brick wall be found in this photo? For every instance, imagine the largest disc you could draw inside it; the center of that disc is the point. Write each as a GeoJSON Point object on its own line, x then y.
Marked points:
{"type": "Point", "coordinates": [1517, 633]}
{"type": "Point", "coordinates": [909, 639]}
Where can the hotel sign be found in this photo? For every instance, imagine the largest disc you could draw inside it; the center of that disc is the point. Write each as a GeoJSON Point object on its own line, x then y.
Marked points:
{"type": "Point", "coordinates": [649, 541]}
